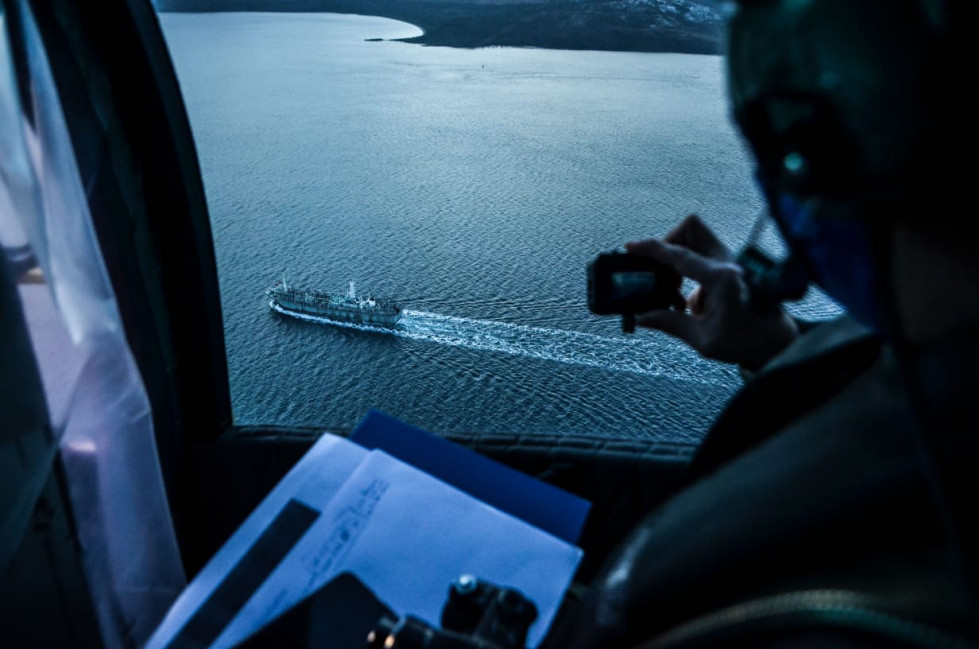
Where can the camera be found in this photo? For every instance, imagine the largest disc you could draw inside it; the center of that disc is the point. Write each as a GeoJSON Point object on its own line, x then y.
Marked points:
{"type": "Point", "coordinates": [625, 284]}
{"type": "Point", "coordinates": [345, 614]}
{"type": "Point", "coordinates": [476, 615]}
{"type": "Point", "coordinates": [479, 609]}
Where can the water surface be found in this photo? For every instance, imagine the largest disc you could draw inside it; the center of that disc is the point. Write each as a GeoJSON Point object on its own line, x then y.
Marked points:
{"type": "Point", "coordinates": [472, 186]}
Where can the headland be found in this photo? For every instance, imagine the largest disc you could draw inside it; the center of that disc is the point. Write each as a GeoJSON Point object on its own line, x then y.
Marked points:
{"type": "Point", "coordinates": [683, 26]}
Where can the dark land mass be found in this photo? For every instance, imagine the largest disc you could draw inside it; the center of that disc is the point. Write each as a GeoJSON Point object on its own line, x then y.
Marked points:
{"type": "Point", "coordinates": [687, 26]}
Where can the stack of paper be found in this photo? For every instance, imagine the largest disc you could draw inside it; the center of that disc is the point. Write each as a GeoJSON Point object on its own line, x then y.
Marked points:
{"type": "Point", "coordinates": [404, 511]}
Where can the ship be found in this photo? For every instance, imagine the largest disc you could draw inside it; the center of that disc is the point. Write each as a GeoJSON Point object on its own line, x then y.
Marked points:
{"type": "Point", "coordinates": [339, 307]}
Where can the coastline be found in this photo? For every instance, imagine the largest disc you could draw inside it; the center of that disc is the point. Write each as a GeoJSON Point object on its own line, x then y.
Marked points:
{"type": "Point", "coordinates": [603, 26]}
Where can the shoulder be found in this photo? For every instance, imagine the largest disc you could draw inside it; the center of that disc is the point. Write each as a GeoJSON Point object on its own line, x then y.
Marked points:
{"type": "Point", "coordinates": [813, 371]}
{"type": "Point", "coordinates": [834, 480]}
{"type": "Point", "coordinates": [820, 338]}
{"type": "Point", "coordinates": [817, 338]}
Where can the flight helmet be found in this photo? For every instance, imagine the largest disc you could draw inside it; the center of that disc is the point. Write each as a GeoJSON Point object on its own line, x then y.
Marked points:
{"type": "Point", "coordinates": [854, 110]}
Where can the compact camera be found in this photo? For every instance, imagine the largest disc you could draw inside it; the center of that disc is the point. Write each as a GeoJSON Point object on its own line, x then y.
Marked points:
{"type": "Point", "coordinates": [476, 615]}
{"type": "Point", "coordinates": [625, 284]}
{"type": "Point", "coordinates": [345, 614]}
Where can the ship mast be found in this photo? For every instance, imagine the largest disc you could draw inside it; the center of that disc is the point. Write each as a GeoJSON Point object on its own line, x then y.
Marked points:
{"type": "Point", "coordinates": [352, 294]}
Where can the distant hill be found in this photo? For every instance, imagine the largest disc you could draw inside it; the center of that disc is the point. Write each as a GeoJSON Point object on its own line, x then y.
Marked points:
{"type": "Point", "coordinates": [691, 26]}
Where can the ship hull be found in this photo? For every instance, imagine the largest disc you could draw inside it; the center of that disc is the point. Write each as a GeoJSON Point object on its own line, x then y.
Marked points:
{"type": "Point", "coordinates": [334, 307]}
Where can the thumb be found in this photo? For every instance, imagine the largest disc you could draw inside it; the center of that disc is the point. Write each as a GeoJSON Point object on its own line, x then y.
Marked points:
{"type": "Point", "coordinates": [674, 323]}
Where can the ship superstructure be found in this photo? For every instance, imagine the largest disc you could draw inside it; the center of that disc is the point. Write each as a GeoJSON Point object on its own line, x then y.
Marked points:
{"type": "Point", "coordinates": [340, 307]}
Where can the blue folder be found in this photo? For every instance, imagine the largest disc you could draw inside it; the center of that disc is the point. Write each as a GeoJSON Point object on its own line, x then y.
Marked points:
{"type": "Point", "coordinates": [544, 506]}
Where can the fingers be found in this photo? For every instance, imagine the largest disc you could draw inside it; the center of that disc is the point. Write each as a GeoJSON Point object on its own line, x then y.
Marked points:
{"type": "Point", "coordinates": [696, 301]}
{"type": "Point", "coordinates": [674, 323]}
{"type": "Point", "coordinates": [693, 233]}
{"type": "Point", "coordinates": [680, 258]}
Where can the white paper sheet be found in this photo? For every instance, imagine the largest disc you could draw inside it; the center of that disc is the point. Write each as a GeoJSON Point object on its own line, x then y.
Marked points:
{"type": "Point", "coordinates": [407, 536]}
{"type": "Point", "coordinates": [314, 480]}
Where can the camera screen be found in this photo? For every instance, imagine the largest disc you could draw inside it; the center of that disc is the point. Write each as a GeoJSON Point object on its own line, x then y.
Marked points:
{"type": "Point", "coordinates": [628, 285]}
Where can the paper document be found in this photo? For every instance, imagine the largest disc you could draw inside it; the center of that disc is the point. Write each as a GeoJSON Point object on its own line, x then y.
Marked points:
{"type": "Point", "coordinates": [535, 501]}
{"type": "Point", "coordinates": [313, 481]}
{"type": "Point", "coordinates": [408, 535]}
{"type": "Point", "coordinates": [406, 518]}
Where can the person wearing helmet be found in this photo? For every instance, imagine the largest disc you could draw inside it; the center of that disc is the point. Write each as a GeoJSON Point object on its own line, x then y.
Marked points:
{"type": "Point", "coordinates": [830, 501]}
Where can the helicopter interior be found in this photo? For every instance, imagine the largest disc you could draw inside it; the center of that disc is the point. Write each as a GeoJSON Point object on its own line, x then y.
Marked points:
{"type": "Point", "coordinates": [120, 417]}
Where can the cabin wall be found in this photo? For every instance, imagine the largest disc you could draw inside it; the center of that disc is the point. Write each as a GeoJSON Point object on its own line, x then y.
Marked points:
{"type": "Point", "coordinates": [44, 598]}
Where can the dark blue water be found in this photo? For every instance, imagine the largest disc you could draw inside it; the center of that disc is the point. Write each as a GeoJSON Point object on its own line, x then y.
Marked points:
{"type": "Point", "coordinates": [472, 186]}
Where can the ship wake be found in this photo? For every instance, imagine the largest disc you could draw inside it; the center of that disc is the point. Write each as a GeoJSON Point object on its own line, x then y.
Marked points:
{"type": "Point", "coordinates": [649, 355]}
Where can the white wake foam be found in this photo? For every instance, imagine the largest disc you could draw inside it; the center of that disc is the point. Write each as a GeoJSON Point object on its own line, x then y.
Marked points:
{"type": "Point", "coordinates": [645, 354]}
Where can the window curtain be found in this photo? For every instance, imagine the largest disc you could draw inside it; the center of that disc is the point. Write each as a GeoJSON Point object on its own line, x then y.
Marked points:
{"type": "Point", "coordinates": [100, 414]}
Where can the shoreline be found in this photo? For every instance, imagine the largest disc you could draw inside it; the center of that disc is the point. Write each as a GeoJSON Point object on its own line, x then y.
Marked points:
{"type": "Point", "coordinates": [562, 26]}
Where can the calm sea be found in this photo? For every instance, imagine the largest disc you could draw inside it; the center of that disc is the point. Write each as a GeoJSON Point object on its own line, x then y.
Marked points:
{"type": "Point", "coordinates": [472, 186]}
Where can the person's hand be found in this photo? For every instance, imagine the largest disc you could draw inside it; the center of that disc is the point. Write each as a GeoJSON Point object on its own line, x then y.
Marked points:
{"type": "Point", "coordinates": [717, 322]}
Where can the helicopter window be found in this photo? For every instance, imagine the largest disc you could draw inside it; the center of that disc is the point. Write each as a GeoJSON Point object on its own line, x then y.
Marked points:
{"type": "Point", "coordinates": [469, 186]}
